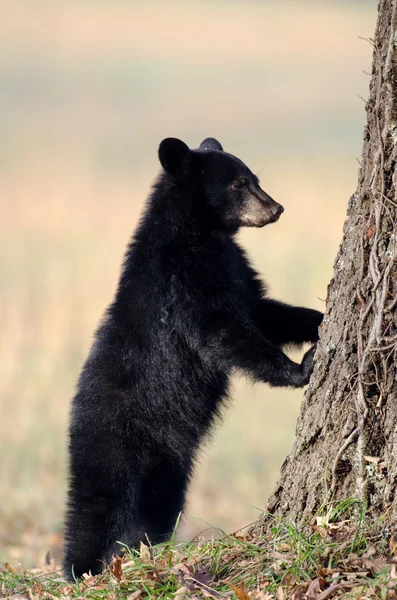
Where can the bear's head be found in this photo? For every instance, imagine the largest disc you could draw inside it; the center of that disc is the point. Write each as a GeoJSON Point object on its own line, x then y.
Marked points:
{"type": "Point", "coordinates": [228, 191]}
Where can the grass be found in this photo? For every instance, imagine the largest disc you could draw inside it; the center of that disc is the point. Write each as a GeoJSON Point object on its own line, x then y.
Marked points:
{"type": "Point", "coordinates": [341, 557]}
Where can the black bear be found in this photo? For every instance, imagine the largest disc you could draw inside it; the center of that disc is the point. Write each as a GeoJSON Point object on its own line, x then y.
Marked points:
{"type": "Point", "coordinates": [188, 310]}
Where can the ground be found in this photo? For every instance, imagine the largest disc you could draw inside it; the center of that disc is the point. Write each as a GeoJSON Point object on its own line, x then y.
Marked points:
{"type": "Point", "coordinates": [337, 557]}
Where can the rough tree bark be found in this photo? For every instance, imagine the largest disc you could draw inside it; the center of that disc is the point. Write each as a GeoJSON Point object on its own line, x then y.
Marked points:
{"type": "Point", "coordinates": [346, 438]}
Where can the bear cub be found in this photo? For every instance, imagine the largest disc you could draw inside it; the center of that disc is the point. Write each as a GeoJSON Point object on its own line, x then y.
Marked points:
{"type": "Point", "coordinates": [189, 309]}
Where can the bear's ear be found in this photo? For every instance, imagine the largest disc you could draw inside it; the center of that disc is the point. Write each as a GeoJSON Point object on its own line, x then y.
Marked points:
{"type": "Point", "coordinates": [175, 157]}
{"type": "Point", "coordinates": [211, 144]}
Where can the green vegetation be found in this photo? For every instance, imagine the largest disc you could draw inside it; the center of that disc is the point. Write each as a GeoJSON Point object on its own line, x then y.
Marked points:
{"type": "Point", "coordinates": [338, 557]}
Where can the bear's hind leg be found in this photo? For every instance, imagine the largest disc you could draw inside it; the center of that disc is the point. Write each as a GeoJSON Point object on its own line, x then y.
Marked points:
{"type": "Point", "coordinates": [94, 525]}
{"type": "Point", "coordinates": [162, 497]}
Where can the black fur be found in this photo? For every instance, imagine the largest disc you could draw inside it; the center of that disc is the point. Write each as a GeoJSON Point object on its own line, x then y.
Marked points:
{"type": "Point", "coordinates": [188, 310]}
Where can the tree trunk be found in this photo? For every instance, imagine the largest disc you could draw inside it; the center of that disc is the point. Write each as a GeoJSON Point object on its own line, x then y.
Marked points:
{"type": "Point", "coordinates": [346, 442]}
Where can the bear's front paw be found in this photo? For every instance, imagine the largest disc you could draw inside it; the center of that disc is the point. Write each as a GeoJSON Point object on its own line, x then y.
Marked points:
{"type": "Point", "coordinates": [316, 318]}
{"type": "Point", "coordinates": [307, 364]}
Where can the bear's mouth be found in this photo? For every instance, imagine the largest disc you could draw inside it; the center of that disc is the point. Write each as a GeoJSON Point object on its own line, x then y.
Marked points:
{"type": "Point", "coordinates": [258, 212]}
{"type": "Point", "coordinates": [273, 215]}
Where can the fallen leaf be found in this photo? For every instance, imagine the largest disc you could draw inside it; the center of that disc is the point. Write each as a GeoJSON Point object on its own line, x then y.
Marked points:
{"type": "Point", "coordinates": [321, 521]}
{"type": "Point", "coordinates": [89, 578]}
{"type": "Point", "coordinates": [38, 589]}
{"type": "Point", "coordinates": [375, 566]}
{"type": "Point", "coordinates": [181, 569]}
{"type": "Point", "coordinates": [203, 577]}
{"type": "Point", "coordinates": [180, 593]}
{"type": "Point", "coordinates": [144, 552]}
{"type": "Point", "coordinates": [280, 556]}
{"type": "Point", "coordinates": [322, 532]}
{"type": "Point", "coordinates": [239, 591]}
{"type": "Point", "coordinates": [370, 552]}
{"type": "Point", "coordinates": [329, 591]}
{"type": "Point", "coordinates": [264, 596]}
{"type": "Point", "coordinates": [280, 593]}
{"type": "Point", "coordinates": [355, 575]}
{"type": "Point", "coordinates": [116, 567]}
{"type": "Point", "coordinates": [134, 595]}
{"type": "Point", "coordinates": [283, 547]}
{"type": "Point", "coordinates": [314, 587]}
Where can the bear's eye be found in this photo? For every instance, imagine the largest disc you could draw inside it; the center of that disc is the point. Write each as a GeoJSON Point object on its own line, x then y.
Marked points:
{"type": "Point", "coordinates": [238, 184]}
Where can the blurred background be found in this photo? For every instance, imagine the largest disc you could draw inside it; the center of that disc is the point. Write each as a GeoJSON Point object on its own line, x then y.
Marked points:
{"type": "Point", "coordinates": [88, 89]}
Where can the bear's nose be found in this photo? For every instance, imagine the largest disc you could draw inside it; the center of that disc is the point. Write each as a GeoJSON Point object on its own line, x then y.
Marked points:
{"type": "Point", "coordinates": [279, 210]}
{"type": "Point", "coordinates": [276, 211]}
